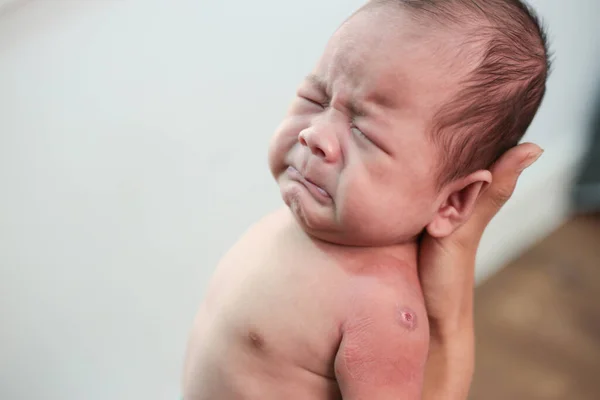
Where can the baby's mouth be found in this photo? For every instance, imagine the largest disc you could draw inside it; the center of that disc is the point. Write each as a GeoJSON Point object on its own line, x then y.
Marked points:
{"type": "Point", "coordinates": [311, 186]}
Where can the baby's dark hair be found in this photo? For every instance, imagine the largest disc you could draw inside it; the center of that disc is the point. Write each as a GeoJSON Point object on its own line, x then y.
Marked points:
{"type": "Point", "coordinates": [502, 93]}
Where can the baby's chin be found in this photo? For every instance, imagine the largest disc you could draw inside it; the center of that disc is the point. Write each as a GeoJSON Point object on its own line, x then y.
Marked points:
{"type": "Point", "coordinates": [346, 233]}
{"type": "Point", "coordinates": [314, 220]}
{"type": "Point", "coordinates": [324, 221]}
{"type": "Point", "coordinates": [327, 229]}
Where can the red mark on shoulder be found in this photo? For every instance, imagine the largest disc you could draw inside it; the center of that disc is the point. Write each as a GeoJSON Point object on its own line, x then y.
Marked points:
{"type": "Point", "coordinates": [407, 318]}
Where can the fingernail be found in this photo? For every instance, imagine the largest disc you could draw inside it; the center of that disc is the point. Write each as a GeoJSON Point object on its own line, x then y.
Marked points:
{"type": "Point", "coordinates": [533, 157]}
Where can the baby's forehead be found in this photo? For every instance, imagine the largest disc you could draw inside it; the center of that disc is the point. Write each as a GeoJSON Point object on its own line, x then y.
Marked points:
{"type": "Point", "coordinates": [397, 36]}
{"type": "Point", "coordinates": [403, 80]}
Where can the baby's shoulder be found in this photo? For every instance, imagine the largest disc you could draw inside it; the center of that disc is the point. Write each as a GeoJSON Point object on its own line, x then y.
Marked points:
{"type": "Point", "coordinates": [388, 300]}
{"type": "Point", "coordinates": [388, 274]}
{"type": "Point", "coordinates": [382, 279]}
{"type": "Point", "coordinates": [385, 279]}
{"type": "Point", "coordinates": [385, 335]}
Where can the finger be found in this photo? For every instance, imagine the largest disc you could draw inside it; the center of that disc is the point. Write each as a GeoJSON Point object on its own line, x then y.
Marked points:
{"type": "Point", "coordinates": [505, 174]}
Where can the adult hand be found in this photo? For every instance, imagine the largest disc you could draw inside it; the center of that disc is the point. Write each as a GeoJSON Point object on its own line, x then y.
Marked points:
{"type": "Point", "coordinates": [447, 273]}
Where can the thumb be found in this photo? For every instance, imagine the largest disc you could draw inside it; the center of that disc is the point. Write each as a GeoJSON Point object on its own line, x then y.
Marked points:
{"type": "Point", "coordinates": [505, 173]}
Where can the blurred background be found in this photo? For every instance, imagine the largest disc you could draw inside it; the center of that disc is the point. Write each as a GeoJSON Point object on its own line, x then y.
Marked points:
{"type": "Point", "coordinates": [133, 143]}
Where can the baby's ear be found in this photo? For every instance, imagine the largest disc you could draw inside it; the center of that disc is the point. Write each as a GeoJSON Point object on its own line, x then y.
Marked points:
{"type": "Point", "coordinates": [457, 203]}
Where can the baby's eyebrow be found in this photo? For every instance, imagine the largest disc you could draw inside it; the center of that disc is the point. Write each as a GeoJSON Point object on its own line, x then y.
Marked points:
{"type": "Point", "coordinates": [321, 85]}
{"type": "Point", "coordinates": [357, 109]}
{"type": "Point", "coordinates": [318, 82]}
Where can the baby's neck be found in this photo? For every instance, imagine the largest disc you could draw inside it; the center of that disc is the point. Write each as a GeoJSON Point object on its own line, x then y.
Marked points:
{"type": "Point", "coordinates": [382, 259]}
{"type": "Point", "coordinates": [404, 253]}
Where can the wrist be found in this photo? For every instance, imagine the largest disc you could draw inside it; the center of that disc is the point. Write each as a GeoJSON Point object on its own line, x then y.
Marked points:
{"type": "Point", "coordinates": [454, 322]}
{"type": "Point", "coordinates": [450, 366]}
{"type": "Point", "coordinates": [453, 344]}
{"type": "Point", "coordinates": [448, 329]}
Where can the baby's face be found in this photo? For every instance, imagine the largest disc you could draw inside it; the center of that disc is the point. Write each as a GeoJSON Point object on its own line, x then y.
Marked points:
{"type": "Point", "coordinates": [352, 157]}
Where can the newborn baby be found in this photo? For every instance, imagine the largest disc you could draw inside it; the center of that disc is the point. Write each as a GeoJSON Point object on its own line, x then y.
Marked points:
{"type": "Point", "coordinates": [389, 136]}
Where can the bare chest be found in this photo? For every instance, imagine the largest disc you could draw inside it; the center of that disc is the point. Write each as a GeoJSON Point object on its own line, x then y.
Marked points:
{"type": "Point", "coordinates": [281, 298]}
{"type": "Point", "coordinates": [274, 312]}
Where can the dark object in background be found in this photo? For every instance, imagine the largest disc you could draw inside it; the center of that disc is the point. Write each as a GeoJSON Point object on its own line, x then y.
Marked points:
{"type": "Point", "coordinates": [586, 193]}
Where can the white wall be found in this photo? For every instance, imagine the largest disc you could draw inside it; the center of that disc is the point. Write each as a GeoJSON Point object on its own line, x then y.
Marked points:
{"type": "Point", "coordinates": [133, 142]}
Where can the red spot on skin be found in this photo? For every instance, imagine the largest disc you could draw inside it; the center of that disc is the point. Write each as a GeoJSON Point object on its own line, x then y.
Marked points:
{"type": "Point", "coordinates": [407, 318]}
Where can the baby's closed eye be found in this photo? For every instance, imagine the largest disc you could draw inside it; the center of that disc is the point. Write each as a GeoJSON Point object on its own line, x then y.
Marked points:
{"type": "Point", "coordinates": [359, 133]}
{"type": "Point", "coordinates": [313, 101]}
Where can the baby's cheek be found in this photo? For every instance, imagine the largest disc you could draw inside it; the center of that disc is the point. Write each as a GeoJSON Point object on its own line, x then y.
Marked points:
{"type": "Point", "coordinates": [359, 192]}
{"type": "Point", "coordinates": [282, 142]}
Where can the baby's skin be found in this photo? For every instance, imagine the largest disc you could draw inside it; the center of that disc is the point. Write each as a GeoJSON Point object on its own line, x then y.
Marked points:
{"type": "Point", "coordinates": [290, 317]}
{"type": "Point", "coordinates": [321, 299]}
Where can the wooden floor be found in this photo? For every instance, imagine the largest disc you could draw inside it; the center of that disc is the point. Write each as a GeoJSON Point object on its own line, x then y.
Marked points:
{"type": "Point", "coordinates": [538, 321]}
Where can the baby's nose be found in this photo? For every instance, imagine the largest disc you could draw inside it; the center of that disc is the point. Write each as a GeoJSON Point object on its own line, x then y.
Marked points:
{"type": "Point", "coordinates": [320, 145]}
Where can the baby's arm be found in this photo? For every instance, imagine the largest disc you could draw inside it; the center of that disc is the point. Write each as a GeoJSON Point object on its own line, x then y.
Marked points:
{"type": "Point", "coordinates": [384, 348]}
